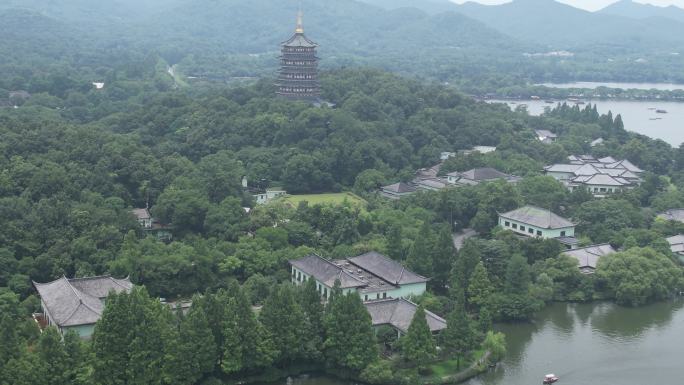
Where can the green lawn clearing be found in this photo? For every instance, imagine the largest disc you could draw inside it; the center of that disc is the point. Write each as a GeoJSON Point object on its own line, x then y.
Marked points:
{"type": "Point", "coordinates": [332, 198]}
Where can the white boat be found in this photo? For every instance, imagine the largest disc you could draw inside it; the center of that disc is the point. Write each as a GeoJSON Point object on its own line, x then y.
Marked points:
{"type": "Point", "coordinates": [550, 378]}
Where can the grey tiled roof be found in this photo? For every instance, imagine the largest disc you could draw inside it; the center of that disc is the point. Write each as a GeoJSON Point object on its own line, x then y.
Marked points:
{"type": "Point", "coordinates": [399, 313]}
{"type": "Point", "coordinates": [399, 188]}
{"type": "Point", "coordinates": [538, 217]}
{"type": "Point", "coordinates": [588, 256]}
{"type": "Point", "coordinates": [627, 165]}
{"type": "Point", "coordinates": [141, 213]}
{"type": "Point", "coordinates": [78, 301]}
{"type": "Point", "coordinates": [386, 268]}
{"type": "Point", "coordinates": [603, 180]}
{"type": "Point", "coordinates": [569, 168]}
{"type": "Point", "coordinates": [482, 174]}
{"type": "Point", "coordinates": [545, 134]}
{"type": "Point", "coordinates": [326, 271]}
{"type": "Point", "coordinates": [299, 40]}
{"type": "Point", "coordinates": [673, 215]}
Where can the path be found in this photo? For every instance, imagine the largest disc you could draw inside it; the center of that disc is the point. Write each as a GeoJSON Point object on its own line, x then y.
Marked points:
{"type": "Point", "coordinates": [460, 237]}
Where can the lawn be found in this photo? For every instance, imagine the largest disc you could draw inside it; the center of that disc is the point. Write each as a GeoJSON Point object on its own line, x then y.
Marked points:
{"type": "Point", "coordinates": [450, 367]}
{"type": "Point", "coordinates": [333, 198]}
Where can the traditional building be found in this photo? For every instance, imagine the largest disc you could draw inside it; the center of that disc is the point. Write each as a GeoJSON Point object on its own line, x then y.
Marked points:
{"type": "Point", "coordinates": [676, 215]}
{"type": "Point", "coordinates": [151, 226]}
{"type": "Point", "coordinates": [533, 221]}
{"type": "Point", "coordinates": [546, 136]}
{"type": "Point", "coordinates": [397, 190]}
{"type": "Point", "coordinates": [398, 313]}
{"type": "Point", "coordinates": [479, 175]}
{"type": "Point", "coordinates": [588, 257]}
{"type": "Point", "coordinates": [677, 246]}
{"type": "Point", "coordinates": [298, 78]}
{"type": "Point", "coordinates": [372, 275]}
{"type": "Point", "coordinates": [600, 177]}
{"type": "Point", "coordinates": [77, 303]}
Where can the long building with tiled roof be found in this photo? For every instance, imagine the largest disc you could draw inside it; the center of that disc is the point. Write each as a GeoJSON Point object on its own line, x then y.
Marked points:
{"type": "Point", "coordinates": [77, 303]}
{"type": "Point", "coordinates": [373, 275]}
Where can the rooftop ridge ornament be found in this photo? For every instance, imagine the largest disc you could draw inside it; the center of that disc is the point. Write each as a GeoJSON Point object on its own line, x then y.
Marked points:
{"type": "Point", "coordinates": [300, 25]}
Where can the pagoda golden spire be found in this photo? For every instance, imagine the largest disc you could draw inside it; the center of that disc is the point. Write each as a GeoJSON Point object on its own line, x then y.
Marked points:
{"type": "Point", "coordinates": [300, 26]}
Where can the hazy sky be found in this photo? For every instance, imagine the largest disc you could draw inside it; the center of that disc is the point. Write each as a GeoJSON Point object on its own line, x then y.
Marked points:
{"type": "Point", "coordinates": [591, 5]}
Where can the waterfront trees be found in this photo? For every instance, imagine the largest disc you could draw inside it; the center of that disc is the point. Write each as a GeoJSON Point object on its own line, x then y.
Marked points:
{"type": "Point", "coordinates": [350, 341]}
{"type": "Point", "coordinates": [418, 345]}
{"type": "Point", "coordinates": [639, 275]}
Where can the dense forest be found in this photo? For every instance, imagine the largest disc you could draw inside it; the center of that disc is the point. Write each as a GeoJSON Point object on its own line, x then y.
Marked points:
{"type": "Point", "coordinates": [75, 162]}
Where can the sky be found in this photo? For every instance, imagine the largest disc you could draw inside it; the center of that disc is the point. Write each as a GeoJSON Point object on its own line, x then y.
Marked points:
{"type": "Point", "coordinates": [591, 5]}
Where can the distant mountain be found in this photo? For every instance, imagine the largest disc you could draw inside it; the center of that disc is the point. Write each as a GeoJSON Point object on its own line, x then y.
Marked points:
{"type": "Point", "coordinates": [95, 11]}
{"type": "Point", "coordinates": [564, 27]}
{"type": "Point", "coordinates": [634, 10]}
{"type": "Point", "coordinates": [428, 6]}
{"type": "Point", "coordinates": [256, 26]}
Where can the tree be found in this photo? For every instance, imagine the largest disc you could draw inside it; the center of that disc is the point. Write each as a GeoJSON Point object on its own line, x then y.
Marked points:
{"type": "Point", "coordinates": [443, 257]}
{"type": "Point", "coordinates": [350, 341]}
{"type": "Point", "coordinates": [458, 337]}
{"type": "Point", "coordinates": [284, 318]}
{"type": "Point", "coordinates": [543, 191]}
{"type": "Point", "coordinates": [310, 300]}
{"type": "Point", "coordinates": [638, 276]}
{"type": "Point", "coordinates": [420, 255]}
{"type": "Point", "coordinates": [192, 354]}
{"type": "Point", "coordinates": [516, 302]}
{"type": "Point", "coordinates": [495, 344]}
{"type": "Point", "coordinates": [417, 345]}
{"type": "Point", "coordinates": [226, 220]}
{"type": "Point", "coordinates": [129, 335]}
{"type": "Point", "coordinates": [52, 359]}
{"type": "Point", "coordinates": [517, 275]}
{"type": "Point", "coordinates": [368, 180]}
{"type": "Point", "coordinates": [466, 260]}
{"type": "Point", "coordinates": [247, 344]}
{"type": "Point", "coordinates": [395, 242]}
{"type": "Point", "coordinates": [480, 289]}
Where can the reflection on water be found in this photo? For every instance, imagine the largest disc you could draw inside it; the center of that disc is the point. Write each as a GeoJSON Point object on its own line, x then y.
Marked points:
{"type": "Point", "coordinates": [584, 344]}
{"type": "Point", "coordinates": [597, 344]}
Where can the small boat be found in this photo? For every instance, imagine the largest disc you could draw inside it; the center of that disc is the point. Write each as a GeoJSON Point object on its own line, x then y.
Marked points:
{"type": "Point", "coordinates": [549, 101]}
{"type": "Point", "coordinates": [661, 111]}
{"type": "Point", "coordinates": [550, 378]}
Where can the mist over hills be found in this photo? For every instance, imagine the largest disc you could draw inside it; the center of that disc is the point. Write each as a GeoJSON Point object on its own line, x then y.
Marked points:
{"type": "Point", "coordinates": [428, 38]}
{"type": "Point", "coordinates": [634, 10]}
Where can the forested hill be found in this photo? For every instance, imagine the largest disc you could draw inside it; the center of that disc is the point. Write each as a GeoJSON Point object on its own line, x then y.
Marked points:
{"type": "Point", "coordinates": [222, 39]}
{"type": "Point", "coordinates": [632, 9]}
{"type": "Point", "coordinates": [564, 27]}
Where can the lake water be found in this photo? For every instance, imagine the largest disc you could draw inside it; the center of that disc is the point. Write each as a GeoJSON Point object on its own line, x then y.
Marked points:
{"type": "Point", "coordinates": [585, 344]}
{"type": "Point", "coordinates": [638, 116]}
{"type": "Point", "coordinates": [625, 86]}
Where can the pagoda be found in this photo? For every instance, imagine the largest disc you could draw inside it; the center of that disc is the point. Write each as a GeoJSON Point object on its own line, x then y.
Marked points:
{"type": "Point", "coordinates": [298, 76]}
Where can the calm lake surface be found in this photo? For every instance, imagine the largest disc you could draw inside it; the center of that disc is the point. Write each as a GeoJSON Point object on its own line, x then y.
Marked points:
{"type": "Point", "coordinates": [625, 86]}
{"type": "Point", "coordinates": [585, 344]}
{"type": "Point", "coordinates": [638, 116]}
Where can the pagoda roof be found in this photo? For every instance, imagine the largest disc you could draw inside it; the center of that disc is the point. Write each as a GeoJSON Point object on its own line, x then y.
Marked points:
{"type": "Point", "coordinates": [299, 40]}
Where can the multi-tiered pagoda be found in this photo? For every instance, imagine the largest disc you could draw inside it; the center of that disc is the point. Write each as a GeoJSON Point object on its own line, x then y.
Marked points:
{"type": "Point", "coordinates": [298, 78]}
